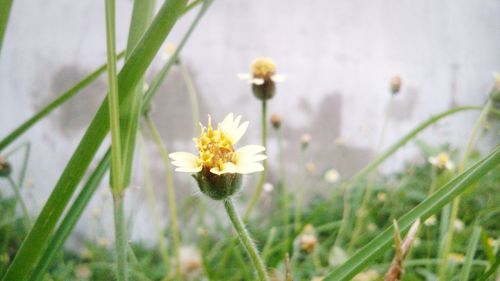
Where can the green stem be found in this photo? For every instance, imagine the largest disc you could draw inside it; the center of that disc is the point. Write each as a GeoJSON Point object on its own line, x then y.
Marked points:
{"type": "Point", "coordinates": [363, 212]}
{"type": "Point", "coordinates": [121, 238]}
{"type": "Point", "coordinates": [193, 97]}
{"type": "Point", "coordinates": [19, 198]}
{"type": "Point", "coordinates": [456, 203]}
{"type": "Point", "coordinates": [170, 191]}
{"type": "Point", "coordinates": [246, 240]}
{"type": "Point", "coordinates": [298, 193]}
{"type": "Point", "coordinates": [148, 183]}
{"type": "Point", "coordinates": [262, 179]}
{"type": "Point", "coordinates": [284, 194]}
{"type": "Point", "coordinates": [114, 106]}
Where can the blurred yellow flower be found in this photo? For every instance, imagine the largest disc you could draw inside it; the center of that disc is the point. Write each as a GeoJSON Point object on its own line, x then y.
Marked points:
{"type": "Point", "coordinates": [442, 161]}
{"type": "Point", "coordinates": [263, 69]}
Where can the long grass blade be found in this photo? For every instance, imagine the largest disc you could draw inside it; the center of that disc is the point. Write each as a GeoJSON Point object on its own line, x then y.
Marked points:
{"type": "Point", "coordinates": [4, 18]}
{"type": "Point", "coordinates": [471, 251]}
{"type": "Point", "coordinates": [443, 196]}
{"type": "Point", "coordinates": [68, 223]}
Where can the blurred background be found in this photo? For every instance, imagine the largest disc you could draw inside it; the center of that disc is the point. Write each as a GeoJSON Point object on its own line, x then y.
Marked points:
{"type": "Point", "coordinates": [339, 57]}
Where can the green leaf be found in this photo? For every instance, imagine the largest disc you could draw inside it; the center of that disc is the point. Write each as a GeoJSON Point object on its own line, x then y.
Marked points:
{"type": "Point", "coordinates": [4, 18]}
{"type": "Point", "coordinates": [432, 204]}
{"type": "Point", "coordinates": [132, 71]}
{"type": "Point", "coordinates": [71, 218]}
{"type": "Point", "coordinates": [471, 251]}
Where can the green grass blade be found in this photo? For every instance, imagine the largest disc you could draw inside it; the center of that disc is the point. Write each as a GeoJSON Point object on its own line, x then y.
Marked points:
{"type": "Point", "coordinates": [142, 14]}
{"type": "Point", "coordinates": [393, 148]}
{"type": "Point", "coordinates": [128, 78]}
{"type": "Point", "coordinates": [443, 196]}
{"type": "Point", "coordinates": [53, 105]}
{"type": "Point", "coordinates": [113, 100]}
{"type": "Point", "coordinates": [4, 18]}
{"type": "Point", "coordinates": [471, 251]}
{"type": "Point", "coordinates": [68, 223]}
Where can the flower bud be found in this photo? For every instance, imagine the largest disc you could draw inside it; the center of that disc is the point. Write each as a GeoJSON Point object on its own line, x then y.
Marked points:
{"type": "Point", "coordinates": [308, 240]}
{"type": "Point", "coordinates": [305, 140]}
{"type": "Point", "coordinates": [263, 70]}
{"type": "Point", "coordinates": [5, 168]}
{"type": "Point", "coordinates": [395, 84]}
{"type": "Point", "coordinates": [276, 121]}
{"type": "Point", "coordinates": [218, 187]}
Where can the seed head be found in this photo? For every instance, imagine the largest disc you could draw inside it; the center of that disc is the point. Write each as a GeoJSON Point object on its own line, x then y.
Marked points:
{"type": "Point", "coordinates": [395, 84]}
{"type": "Point", "coordinates": [276, 120]}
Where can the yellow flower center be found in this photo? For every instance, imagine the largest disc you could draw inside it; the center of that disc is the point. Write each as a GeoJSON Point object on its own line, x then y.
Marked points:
{"type": "Point", "coordinates": [442, 160]}
{"type": "Point", "coordinates": [263, 68]}
{"type": "Point", "coordinates": [214, 147]}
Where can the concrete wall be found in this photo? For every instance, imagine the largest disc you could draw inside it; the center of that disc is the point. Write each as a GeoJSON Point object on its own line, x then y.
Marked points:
{"type": "Point", "coordinates": [338, 56]}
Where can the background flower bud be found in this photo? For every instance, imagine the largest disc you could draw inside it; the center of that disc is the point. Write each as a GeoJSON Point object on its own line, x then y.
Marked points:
{"type": "Point", "coordinates": [5, 168]}
{"type": "Point", "coordinates": [276, 120]}
{"type": "Point", "coordinates": [395, 84]}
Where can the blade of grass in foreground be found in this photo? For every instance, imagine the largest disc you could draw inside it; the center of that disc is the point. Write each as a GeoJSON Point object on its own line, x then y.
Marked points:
{"type": "Point", "coordinates": [443, 196]}
{"type": "Point", "coordinates": [132, 71]}
{"type": "Point", "coordinates": [71, 218]}
{"type": "Point", "coordinates": [471, 251]}
{"type": "Point", "coordinates": [53, 105]}
{"type": "Point", "coordinates": [4, 18]}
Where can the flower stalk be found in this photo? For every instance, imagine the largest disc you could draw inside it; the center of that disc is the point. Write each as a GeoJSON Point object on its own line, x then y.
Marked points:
{"type": "Point", "coordinates": [121, 238]}
{"type": "Point", "coordinates": [245, 239]}
{"type": "Point", "coordinates": [448, 239]}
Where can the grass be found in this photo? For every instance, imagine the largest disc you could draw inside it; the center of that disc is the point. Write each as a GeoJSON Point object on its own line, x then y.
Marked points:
{"type": "Point", "coordinates": [296, 239]}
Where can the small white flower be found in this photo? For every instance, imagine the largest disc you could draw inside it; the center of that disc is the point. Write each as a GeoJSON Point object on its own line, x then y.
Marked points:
{"type": "Point", "coordinates": [268, 187]}
{"type": "Point", "coordinates": [168, 51]}
{"type": "Point", "coordinates": [191, 262]}
{"type": "Point", "coordinates": [332, 176]}
{"type": "Point", "coordinates": [216, 152]}
{"type": "Point", "coordinates": [459, 225]}
{"type": "Point", "coordinates": [442, 161]}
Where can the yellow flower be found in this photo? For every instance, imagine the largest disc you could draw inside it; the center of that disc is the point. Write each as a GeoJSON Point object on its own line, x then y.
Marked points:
{"type": "Point", "coordinates": [216, 152]}
{"type": "Point", "coordinates": [442, 161]}
{"type": "Point", "coordinates": [263, 69]}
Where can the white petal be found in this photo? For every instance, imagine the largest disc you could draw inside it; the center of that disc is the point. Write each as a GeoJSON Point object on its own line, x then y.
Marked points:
{"type": "Point", "coordinates": [244, 76]}
{"type": "Point", "coordinates": [229, 168]}
{"type": "Point", "coordinates": [450, 165]}
{"type": "Point", "coordinates": [257, 81]}
{"type": "Point", "coordinates": [253, 158]}
{"type": "Point", "coordinates": [249, 167]}
{"type": "Point", "coordinates": [433, 160]}
{"type": "Point", "coordinates": [189, 170]}
{"type": "Point", "coordinates": [183, 156]}
{"type": "Point", "coordinates": [227, 123]}
{"type": "Point", "coordinates": [250, 150]}
{"type": "Point", "coordinates": [240, 132]}
{"type": "Point", "coordinates": [278, 78]}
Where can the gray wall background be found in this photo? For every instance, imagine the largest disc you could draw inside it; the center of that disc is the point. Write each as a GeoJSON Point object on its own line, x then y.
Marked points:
{"type": "Point", "coordinates": [338, 57]}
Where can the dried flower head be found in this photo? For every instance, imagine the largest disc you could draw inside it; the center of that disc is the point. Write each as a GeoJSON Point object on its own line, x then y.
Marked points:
{"type": "Point", "coordinates": [395, 84]}
{"type": "Point", "coordinates": [82, 271]}
{"type": "Point", "coordinates": [307, 240]}
{"type": "Point", "coordinates": [5, 168]}
{"type": "Point", "coordinates": [442, 161]}
{"type": "Point", "coordinates": [218, 166]}
{"type": "Point", "coordinates": [276, 120]}
{"type": "Point", "coordinates": [190, 259]}
{"type": "Point", "coordinates": [263, 78]}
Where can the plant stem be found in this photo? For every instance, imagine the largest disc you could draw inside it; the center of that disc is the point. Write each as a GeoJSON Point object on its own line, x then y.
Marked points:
{"type": "Point", "coordinates": [121, 238]}
{"type": "Point", "coordinates": [155, 134]}
{"type": "Point", "coordinates": [4, 18]}
{"type": "Point", "coordinates": [298, 192]}
{"type": "Point", "coordinates": [363, 212]}
{"type": "Point", "coordinates": [193, 96]}
{"type": "Point", "coordinates": [148, 183]}
{"type": "Point", "coordinates": [114, 107]}
{"type": "Point", "coordinates": [284, 194]}
{"type": "Point", "coordinates": [19, 197]}
{"type": "Point", "coordinates": [456, 203]}
{"type": "Point", "coordinates": [262, 179]}
{"type": "Point", "coordinates": [245, 239]}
